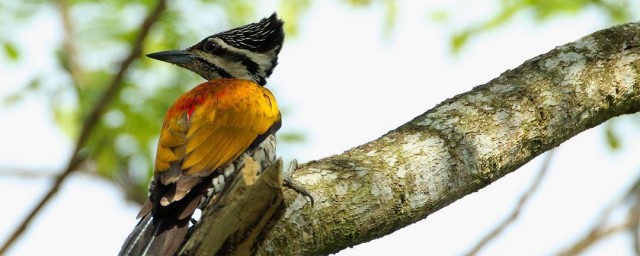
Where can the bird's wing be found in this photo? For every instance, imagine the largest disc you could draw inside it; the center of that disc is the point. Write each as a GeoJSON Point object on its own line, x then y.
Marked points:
{"type": "Point", "coordinates": [208, 127]}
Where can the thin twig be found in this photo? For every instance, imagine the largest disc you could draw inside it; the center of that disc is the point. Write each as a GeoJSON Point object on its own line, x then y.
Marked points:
{"type": "Point", "coordinates": [95, 114]}
{"type": "Point", "coordinates": [16, 172]}
{"type": "Point", "coordinates": [25, 173]}
{"type": "Point", "coordinates": [633, 215]}
{"type": "Point", "coordinates": [598, 233]}
{"type": "Point", "coordinates": [514, 214]}
{"type": "Point", "coordinates": [68, 44]}
{"type": "Point", "coordinates": [634, 210]}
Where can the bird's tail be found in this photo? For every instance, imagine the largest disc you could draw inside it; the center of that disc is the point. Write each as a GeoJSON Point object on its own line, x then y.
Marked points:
{"type": "Point", "coordinates": [155, 236]}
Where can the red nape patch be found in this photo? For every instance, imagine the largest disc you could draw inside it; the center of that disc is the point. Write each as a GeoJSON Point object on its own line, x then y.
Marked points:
{"type": "Point", "coordinates": [190, 110]}
{"type": "Point", "coordinates": [187, 104]}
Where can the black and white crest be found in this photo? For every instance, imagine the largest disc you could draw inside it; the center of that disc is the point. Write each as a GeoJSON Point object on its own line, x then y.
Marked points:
{"type": "Point", "coordinates": [248, 52]}
{"type": "Point", "coordinates": [265, 35]}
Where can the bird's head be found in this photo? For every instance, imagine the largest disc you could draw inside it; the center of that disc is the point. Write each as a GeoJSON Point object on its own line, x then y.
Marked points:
{"type": "Point", "coordinates": [248, 52]}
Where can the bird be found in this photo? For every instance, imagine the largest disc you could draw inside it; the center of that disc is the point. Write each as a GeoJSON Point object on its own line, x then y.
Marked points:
{"type": "Point", "coordinates": [210, 130]}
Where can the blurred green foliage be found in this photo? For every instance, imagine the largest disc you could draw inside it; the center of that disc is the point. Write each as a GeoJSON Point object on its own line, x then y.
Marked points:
{"type": "Point", "coordinates": [615, 11]}
{"type": "Point", "coordinates": [97, 35]}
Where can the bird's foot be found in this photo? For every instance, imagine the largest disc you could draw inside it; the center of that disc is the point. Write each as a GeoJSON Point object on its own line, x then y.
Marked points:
{"type": "Point", "coordinates": [292, 184]}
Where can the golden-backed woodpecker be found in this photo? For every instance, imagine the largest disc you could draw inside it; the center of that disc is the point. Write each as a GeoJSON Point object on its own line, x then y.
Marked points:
{"type": "Point", "coordinates": [209, 131]}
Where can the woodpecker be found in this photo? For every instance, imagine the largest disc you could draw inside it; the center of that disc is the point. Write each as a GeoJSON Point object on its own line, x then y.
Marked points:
{"type": "Point", "coordinates": [209, 131]}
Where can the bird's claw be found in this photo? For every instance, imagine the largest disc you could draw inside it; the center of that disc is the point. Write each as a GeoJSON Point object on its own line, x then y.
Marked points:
{"type": "Point", "coordinates": [292, 184]}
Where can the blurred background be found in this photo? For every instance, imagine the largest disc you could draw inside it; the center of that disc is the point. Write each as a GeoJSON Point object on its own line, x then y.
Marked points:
{"type": "Point", "coordinates": [350, 71]}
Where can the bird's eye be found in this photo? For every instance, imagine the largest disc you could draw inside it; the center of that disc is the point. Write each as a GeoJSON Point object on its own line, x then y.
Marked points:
{"type": "Point", "coordinates": [210, 47]}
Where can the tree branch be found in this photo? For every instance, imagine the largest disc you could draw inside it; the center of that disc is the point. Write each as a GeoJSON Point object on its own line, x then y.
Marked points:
{"type": "Point", "coordinates": [462, 145]}
{"type": "Point", "coordinates": [98, 109]}
{"type": "Point", "coordinates": [68, 45]}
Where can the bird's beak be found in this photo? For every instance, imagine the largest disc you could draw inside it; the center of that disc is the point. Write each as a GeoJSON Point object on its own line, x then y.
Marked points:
{"type": "Point", "coordinates": [178, 57]}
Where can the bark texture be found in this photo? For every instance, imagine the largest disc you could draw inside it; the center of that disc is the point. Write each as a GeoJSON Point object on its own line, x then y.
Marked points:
{"type": "Point", "coordinates": [236, 223]}
{"type": "Point", "coordinates": [460, 146]}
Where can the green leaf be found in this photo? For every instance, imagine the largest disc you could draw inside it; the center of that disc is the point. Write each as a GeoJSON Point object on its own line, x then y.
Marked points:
{"type": "Point", "coordinates": [67, 120]}
{"type": "Point", "coordinates": [612, 138]}
{"type": "Point", "coordinates": [439, 16]}
{"type": "Point", "coordinates": [291, 137]}
{"type": "Point", "coordinates": [11, 51]}
{"type": "Point", "coordinates": [390, 17]}
{"type": "Point", "coordinates": [291, 11]}
{"type": "Point", "coordinates": [359, 3]}
{"type": "Point", "coordinates": [458, 41]}
{"type": "Point", "coordinates": [33, 85]}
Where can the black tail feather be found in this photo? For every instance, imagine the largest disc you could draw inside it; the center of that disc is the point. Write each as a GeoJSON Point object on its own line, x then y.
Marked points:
{"type": "Point", "coordinates": [154, 236]}
{"type": "Point", "coordinates": [136, 241]}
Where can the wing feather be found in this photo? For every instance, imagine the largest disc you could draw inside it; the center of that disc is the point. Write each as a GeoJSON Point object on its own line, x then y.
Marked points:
{"type": "Point", "coordinates": [202, 138]}
{"type": "Point", "coordinates": [196, 124]}
{"type": "Point", "coordinates": [200, 155]}
{"type": "Point", "coordinates": [210, 126]}
{"type": "Point", "coordinates": [228, 149]}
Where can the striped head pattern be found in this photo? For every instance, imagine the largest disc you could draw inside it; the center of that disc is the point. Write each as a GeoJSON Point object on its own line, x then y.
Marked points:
{"type": "Point", "coordinates": [248, 52]}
